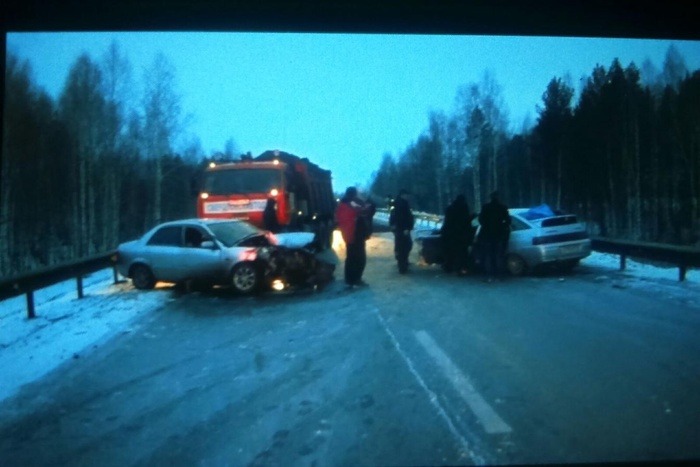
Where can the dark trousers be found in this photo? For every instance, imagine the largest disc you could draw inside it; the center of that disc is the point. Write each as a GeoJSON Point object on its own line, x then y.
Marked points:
{"type": "Point", "coordinates": [355, 262]}
{"type": "Point", "coordinates": [456, 256]}
{"type": "Point", "coordinates": [494, 256]}
{"type": "Point", "coordinates": [402, 247]}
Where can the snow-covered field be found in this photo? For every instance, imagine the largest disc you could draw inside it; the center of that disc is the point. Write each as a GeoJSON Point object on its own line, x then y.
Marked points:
{"type": "Point", "coordinates": [65, 326]}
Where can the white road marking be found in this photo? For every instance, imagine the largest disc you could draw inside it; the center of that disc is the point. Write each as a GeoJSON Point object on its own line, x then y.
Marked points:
{"type": "Point", "coordinates": [466, 450]}
{"type": "Point", "coordinates": [493, 424]}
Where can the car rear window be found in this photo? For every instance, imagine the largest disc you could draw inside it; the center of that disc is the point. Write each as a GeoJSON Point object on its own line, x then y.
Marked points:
{"type": "Point", "coordinates": [559, 220]}
{"type": "Point", "coordinates": [517, 224]}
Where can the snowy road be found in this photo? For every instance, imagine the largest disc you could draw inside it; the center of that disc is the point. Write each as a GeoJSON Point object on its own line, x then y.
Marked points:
{"type": "Point", "coordinates": [422, 369]}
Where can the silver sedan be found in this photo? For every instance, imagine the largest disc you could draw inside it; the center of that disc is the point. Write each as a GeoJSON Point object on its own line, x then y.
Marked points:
{"type": "Point", "coordinates": [535, 240]}
{"type": "Point", "coordinates": [212, 251]}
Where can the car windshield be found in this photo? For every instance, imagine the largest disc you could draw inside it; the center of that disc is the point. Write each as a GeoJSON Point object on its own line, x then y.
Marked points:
{"type": "Point", "coordinates": [230, 233]}
{"type": "Point", "coordinates": [242, 181]}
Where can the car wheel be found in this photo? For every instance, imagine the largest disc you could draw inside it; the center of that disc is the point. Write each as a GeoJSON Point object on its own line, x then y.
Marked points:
{"type": "Point", "coordinates": [245, 278]}
{"type": "Point", "coordinates": [516, 265]}
{"type": "Point", "coordinates": [142, 277]}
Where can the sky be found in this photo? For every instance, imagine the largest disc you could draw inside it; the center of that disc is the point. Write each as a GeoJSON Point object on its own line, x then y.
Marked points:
{"type": "Point", "coordinates": [342, 100]}
{"type": "Point", "coordinates": [66, 328]}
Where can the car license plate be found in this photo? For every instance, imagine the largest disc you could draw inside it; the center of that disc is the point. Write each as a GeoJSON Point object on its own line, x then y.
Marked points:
{"type": "Point", "coordinates": [569, 249]}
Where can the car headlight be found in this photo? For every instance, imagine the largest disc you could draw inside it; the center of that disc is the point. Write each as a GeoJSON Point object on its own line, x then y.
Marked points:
{"type": "Point", "coordinates": [264, 252]}
{"type": "Point", "coordinates": [249, 255]}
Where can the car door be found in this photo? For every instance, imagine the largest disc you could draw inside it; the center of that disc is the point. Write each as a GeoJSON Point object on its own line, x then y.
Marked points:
{"type": "Point", "coordinates": [520, 235]}
{"type": "Point", "coordinates": [164, 253]}
{"type": "Point", "coordinates": [197, 261]}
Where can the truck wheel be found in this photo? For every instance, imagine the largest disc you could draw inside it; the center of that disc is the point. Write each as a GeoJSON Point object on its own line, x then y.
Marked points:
{"type": "Point", "coordinates": [516, 265]}
{"type": "Point", "coordinates": [245, 278]}
{"type": "Point", "coordinates": [142, 277]}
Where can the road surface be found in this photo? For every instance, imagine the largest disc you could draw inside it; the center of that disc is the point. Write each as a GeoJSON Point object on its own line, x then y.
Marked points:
{"type": "Point", "coordinates": [421, 369]}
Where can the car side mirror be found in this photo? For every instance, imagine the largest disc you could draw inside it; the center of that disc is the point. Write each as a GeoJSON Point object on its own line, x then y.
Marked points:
{"type": "Point", "coordinates": [209, 245]}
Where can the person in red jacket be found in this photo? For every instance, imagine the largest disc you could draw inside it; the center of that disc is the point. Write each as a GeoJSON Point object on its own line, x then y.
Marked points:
{"type": "Point", "coordinates": [351, 215]}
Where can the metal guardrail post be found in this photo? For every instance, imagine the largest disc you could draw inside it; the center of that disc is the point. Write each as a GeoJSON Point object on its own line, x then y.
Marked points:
{"type": "Point", "coordinates": [682, 257]}
{"type": "Point", "coordinates": [80, 286]}
{"type": "Point", "coordinates": [30, 305]}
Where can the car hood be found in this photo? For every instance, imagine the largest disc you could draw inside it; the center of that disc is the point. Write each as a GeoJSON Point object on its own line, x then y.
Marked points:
{"type": "Point", "coordinates": [128, 245]}
{"type": "Point", "coordinates": [294, 239]}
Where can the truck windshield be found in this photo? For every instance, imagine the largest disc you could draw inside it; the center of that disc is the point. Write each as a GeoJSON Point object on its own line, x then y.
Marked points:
{"type": "Point", "coordinates": [242, 181]}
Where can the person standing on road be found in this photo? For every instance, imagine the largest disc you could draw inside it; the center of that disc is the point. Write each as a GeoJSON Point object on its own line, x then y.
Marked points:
{"type": "Point", "coordinates": [270, 221]}
{"type": "Point", "coordinates": [367, 217]}
{"type": "Point", "coordinates": [494, 235]}
{"type": "Point", "coordinates": [351, 218]}
{"type": "Point", "coordinates": [457, 235]}
{"type": "Point", "coordinates": [401, 223]}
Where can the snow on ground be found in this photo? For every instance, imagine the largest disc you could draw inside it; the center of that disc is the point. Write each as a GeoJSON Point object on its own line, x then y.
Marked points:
{"type": "Point", "coordinates": [66, 326]}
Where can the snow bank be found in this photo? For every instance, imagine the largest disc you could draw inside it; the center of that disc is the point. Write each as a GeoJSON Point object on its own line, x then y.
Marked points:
{"type": "Point", "coordinates": [64, 325]}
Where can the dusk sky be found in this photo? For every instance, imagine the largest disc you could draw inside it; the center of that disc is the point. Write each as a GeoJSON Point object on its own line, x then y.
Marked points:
{"type": "Point", "coordinates": [341, 100]}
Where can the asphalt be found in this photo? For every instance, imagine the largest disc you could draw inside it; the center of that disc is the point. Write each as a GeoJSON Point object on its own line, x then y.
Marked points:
{"type": "Point", "coordinates": [416, 369]}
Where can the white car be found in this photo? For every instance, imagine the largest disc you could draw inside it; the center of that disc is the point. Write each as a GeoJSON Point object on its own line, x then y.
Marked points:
{"type": "Point", "coordinates": [541, 237]}
{"type": "Point", "coordinates": [214, 251]}
{"type": "Point", "coordinates": [538, 237]}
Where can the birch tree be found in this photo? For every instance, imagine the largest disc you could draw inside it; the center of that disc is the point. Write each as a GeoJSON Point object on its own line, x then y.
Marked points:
{"type": "Point", "coordinates": [17, 95]}
{"type": "Point", "coordinates": [436, 157]}
{"type": "Point", "coordinates": [475, 130]}
{"type": "Point", "coordinates": [161, 107]}
{"type": "Point", "coordinates": [485, 140]}
{"type": "Point", "coordinates": [82, 108]}
{"type": "Point", "coordinates": [117, 85]}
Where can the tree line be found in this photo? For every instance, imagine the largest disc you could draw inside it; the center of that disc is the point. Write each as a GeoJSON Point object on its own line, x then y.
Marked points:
{"type": "Point", "coordinates": [94, 167]}
{"type": "Point", "coordinates": [102, 163]}
{"type": "Point", "coordinates": [624, 156]}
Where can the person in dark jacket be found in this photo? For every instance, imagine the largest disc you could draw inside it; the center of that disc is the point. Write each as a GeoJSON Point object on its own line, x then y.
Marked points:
{"type": "Point", "coordinates": [401, 223]}
{"type": "Point", "coordinates": [366, 218]}
{"type": "Point", "coordinates": [457, 235]}
{"type": "Point", "coordinates": [350, 217]}
{"type": "Point", "coordinates": [494, 235]}
{"type": "Point", "coordinates": [270, 221]}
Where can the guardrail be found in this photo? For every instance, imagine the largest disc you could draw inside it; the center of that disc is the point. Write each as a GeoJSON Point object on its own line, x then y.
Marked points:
{"type": "Point", "coordinates": [428, 220]}
{"type": "Point", "coordinates": [422, 219]}
{"type": "Point", "coordinates": [681, 256]}
{"type": "Point", "coordinates": [29, 283]}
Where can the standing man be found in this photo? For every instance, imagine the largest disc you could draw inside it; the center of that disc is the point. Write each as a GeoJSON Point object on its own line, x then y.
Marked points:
{"type": "Point", "coordinates": [457, 235]}
{"type": "Point", "coordinates": [494, 235]}
{"type": "Point", "coordinates": [270, 216]}
{"type": "Point", "coordinates": [401, 223]}
{"type": "Point", "coordinates": [349, 215]}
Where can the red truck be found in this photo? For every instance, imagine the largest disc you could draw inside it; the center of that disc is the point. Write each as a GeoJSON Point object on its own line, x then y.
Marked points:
{"type": "Point", "coordinates": [240, 189]}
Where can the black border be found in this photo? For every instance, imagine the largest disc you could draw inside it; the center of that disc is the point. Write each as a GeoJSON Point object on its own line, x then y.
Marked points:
{"type": "Point", "coordinates": [593, 18]}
